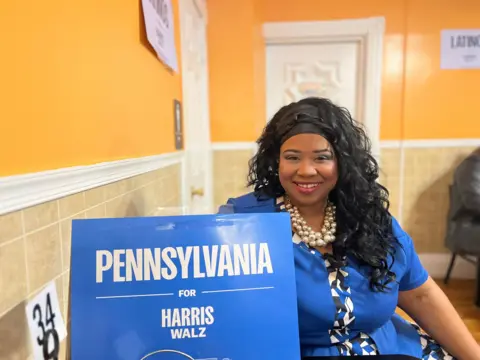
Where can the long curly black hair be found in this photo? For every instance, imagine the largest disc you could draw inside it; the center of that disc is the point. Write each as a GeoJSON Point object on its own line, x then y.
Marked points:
{"type": "Point", "coordinates": [364, 224]}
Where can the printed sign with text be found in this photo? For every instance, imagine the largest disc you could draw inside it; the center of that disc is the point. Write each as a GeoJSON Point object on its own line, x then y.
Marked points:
{"type": "Point", "coordinates": [159, 26]}
{"type": "Point", "coordinates": [184, 287]}
{"type": "Point", "coordinates": [460, 49]}
{"type": "Point", "coordinates": [45, 321]}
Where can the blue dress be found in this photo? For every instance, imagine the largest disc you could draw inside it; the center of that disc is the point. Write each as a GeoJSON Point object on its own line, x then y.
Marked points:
{"type": "Point", "coordinates": [338, 313]}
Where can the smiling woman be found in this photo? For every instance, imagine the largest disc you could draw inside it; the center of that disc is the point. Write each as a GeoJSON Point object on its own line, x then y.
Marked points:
{"type": "Point", "coordinates": [354, 263]}
{"type": "Point", "coordinates": [308, 168]}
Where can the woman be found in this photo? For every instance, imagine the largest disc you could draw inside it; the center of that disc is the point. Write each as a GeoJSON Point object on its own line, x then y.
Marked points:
{"type": "Point", "coordinates": [354, 263]}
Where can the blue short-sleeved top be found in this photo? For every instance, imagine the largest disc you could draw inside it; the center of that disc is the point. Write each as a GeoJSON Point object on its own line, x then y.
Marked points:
{"type": "Point", "coordinates": [338, 312]}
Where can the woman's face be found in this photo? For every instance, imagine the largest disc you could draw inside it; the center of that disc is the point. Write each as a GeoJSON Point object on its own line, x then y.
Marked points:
{"type": "Point", "coordinates": [307, 169]}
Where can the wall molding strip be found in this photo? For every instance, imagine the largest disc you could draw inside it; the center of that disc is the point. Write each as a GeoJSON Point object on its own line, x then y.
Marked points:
{"type": "Point", "coordinates": [384, 144]}
{"type": "Point", "coordinates": [390, 144]}
{"type": "Point", "coordinates": [429, 143]}
{"type": "Point", "coordinates": [21, 191]}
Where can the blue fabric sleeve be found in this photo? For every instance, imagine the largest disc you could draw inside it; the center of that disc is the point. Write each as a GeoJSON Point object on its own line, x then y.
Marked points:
{"type": "Point", "coordinates": [228, 207]}
{"type": "Point", "coordinates": [415, 274]}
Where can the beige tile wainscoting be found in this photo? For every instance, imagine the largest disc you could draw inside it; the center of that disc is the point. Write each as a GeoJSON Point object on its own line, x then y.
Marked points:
{"type": "Point", "coordinates": [418, 179]}
{"type": "Point", "coordinates": [230, 168]}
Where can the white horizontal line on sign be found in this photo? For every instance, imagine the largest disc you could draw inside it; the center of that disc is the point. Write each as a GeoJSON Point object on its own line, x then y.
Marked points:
{"type": "Point", "coordinates": [132, 296]}
{"type": "Point", "coordinates": [231, 290]}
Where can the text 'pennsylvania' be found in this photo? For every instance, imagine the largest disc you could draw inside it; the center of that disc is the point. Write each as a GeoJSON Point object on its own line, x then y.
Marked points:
{"type": "Point", "coordinates": [121, 265]}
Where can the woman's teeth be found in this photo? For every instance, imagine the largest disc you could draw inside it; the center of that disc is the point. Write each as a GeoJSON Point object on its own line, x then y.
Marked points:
{"type": "Point", "coordinates": [308, 186]}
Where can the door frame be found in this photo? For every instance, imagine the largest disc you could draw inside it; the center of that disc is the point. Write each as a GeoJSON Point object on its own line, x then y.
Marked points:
{"type": "Point", "coordinates": [189, 127]}
{"type": "Point", "coordinates": [370, 32]}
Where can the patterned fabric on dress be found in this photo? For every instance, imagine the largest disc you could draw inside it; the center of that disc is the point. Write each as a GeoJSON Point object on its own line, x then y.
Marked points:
{"type": "Point", "coordinates": [431, 350]}
{"type": "Point", "coordinates": [361, 344]}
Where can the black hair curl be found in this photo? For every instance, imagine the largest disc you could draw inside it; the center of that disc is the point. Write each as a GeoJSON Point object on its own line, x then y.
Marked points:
{"type": "Point", "coordinates": [364, 224]}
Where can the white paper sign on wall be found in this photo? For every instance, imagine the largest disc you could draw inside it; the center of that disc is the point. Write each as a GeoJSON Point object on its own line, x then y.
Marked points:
{"type": "Point", "coordinates": [158, 15]}
{"type": "Point", "coordinates": [45, 322]}
{"type": "Point", "coordinates": [460, 49]}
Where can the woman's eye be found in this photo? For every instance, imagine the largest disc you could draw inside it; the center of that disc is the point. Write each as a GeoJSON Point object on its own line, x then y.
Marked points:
{"type": "Point", "coordinates": [292, 158]}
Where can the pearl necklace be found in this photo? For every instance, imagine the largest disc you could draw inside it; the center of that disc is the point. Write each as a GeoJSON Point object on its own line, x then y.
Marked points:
{"type": "Point", "coordinates": [310, 237]}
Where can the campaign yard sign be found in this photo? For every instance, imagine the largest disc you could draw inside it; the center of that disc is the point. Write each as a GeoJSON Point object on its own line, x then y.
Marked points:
{"type": "Point", "coordinates": [210, 287]}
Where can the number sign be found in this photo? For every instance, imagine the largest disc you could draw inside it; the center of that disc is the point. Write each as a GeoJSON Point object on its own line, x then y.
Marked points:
{"type": "Point", "coordinates": [46, 325]}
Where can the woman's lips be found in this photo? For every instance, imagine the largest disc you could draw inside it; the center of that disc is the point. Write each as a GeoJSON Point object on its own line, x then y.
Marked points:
{"type": "Point", "coordinates": [306, 188]}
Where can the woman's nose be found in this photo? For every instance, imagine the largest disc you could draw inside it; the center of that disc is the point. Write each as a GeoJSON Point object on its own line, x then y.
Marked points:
{"type": "Point", "coordinates": [306, 169]}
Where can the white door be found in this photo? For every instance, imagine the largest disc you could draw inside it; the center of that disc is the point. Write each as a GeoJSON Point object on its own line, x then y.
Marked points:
{"type": "Point", "coordinates": [340, 60]}
{"type": "Point", "coordinates": [331, 70]}
{"type": "Point", "coordinates": [197, 172]}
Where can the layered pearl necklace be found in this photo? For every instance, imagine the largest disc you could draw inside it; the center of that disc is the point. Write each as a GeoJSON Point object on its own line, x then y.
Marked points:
{"type": "Point", "coordinates": [310, 237]}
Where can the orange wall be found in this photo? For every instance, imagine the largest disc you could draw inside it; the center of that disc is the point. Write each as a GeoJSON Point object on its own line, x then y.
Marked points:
{"type": "Point", "coordinates": [439, 103]}
{"type": "Point", "coordinates": [419, 101]}
{"type": "Point", "coordinates": [79, 85]}
{"type": "Point", "coordinates": [236, 62]}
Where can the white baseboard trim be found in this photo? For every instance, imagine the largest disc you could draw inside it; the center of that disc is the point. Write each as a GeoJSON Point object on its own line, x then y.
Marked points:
{"type": "Point", "coordinates": [239, 145]}
{"type": "Point", "coordinates": [437, 265]}
{"type": "Point", "coordinates": [22, 191]}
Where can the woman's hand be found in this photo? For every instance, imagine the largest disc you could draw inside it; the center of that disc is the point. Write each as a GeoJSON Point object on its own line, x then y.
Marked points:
{"type": "Point", "coordinates": [430, 308]}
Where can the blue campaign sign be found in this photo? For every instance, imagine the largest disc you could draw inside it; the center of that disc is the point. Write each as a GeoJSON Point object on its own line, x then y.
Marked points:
{"type": "Point", "coordinates": [210, 287]}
